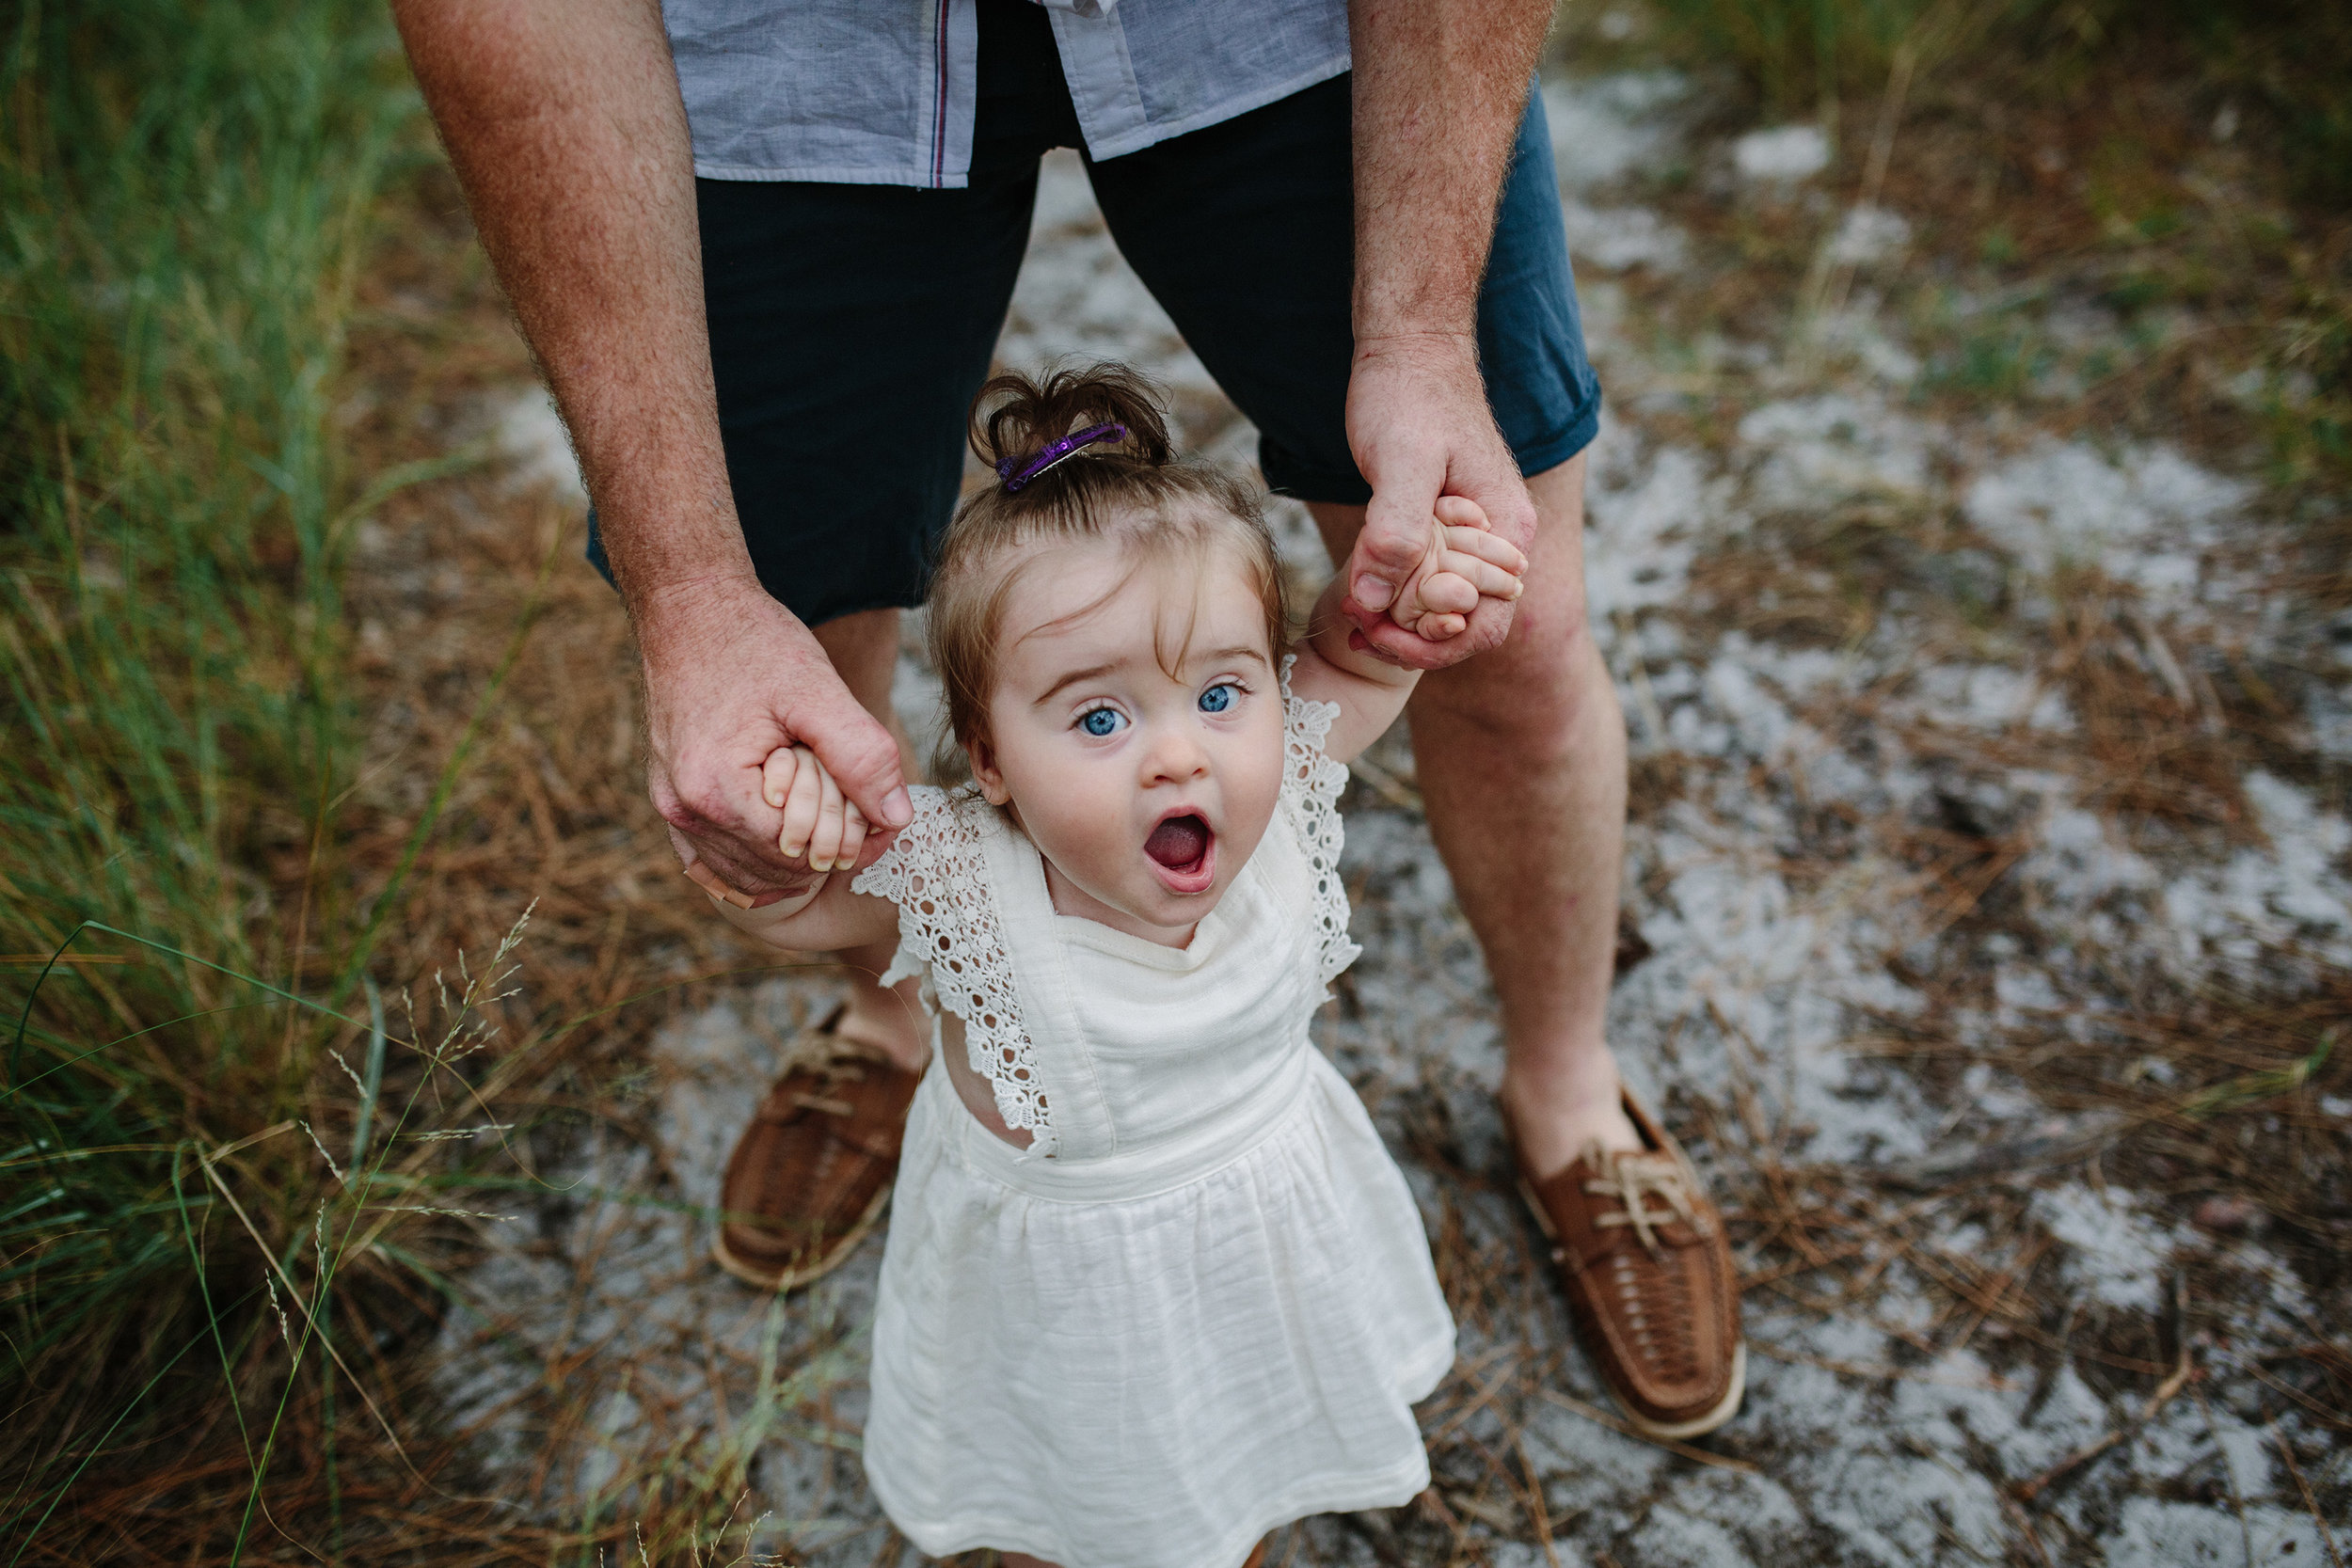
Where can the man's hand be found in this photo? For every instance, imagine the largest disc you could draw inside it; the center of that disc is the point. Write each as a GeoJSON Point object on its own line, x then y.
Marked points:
{"type": "Point", "coordinates": [1418, 421]}
{"type": "Point", "coordinates": [1462, 562]}
{"type": "Point", "coordinates": [732, 679]}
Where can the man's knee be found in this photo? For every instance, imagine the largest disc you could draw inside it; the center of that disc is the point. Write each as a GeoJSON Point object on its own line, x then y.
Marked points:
{"type": "Point", "coordinates": [1543, 681]}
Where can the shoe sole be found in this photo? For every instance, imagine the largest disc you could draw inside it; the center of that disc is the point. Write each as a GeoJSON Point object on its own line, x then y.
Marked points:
{"type": "Point", "coordinates": [792, 1279]}
{"type": "Point", "coordinates": [1648, 1426]}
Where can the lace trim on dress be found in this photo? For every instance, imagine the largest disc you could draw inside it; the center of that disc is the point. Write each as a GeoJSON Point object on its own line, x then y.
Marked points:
{"type": "Point", "coordinates": [1311, 782]}
{"type": "Point", "coordinates": [936, 872]}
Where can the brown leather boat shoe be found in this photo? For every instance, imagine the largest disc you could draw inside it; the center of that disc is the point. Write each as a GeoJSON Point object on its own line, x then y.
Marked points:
{"type": "Point", "coordinates": [1648, 1276]}
{"type": "Point", "coordinates": [812, 1172]}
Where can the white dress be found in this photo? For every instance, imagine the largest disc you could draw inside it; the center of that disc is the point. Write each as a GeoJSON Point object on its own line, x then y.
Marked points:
{"type": "Point", "coordinates": [1200, 1303]}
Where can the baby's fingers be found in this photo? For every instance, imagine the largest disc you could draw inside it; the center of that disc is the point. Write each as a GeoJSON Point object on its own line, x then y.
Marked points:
{"type": "Point", "coordinates": [1435, 626]}
{"type": "Point", "coordinates": [800, 807]}
{"type": "Point", "coordinates": [775, 776]}
{"type": "Point", "coordinates": [1490, 548]}
{"type": "Point", "coordinates": [1460, 512]}
{"type": "Point", "coordinates": [1447, 591]}
{"type": "Point", "coordinates": [824, 845]}
{"type": "Point", "coordinates": [1481, 577]}
{"type": "Point", "coordinates": [853, 829]}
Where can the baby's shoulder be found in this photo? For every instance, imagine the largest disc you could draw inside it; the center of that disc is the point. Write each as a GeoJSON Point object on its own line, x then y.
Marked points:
{"type": "Point", "coordinates": [942, 843]}
{"type": "Point", "coordinates": [1306, 731]}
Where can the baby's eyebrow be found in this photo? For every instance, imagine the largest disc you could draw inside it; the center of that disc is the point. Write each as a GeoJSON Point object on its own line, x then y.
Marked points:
{"type": "Point", "coordinates": [1239, 650]}
{"type": "Point", "coordinates": [1090, 672]}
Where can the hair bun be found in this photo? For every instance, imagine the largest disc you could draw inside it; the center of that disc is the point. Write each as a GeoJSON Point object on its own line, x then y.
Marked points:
{"type": "Point", "coordinates": [1016, 416]}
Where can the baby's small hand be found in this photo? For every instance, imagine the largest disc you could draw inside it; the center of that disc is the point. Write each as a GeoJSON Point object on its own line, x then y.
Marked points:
{"type": "Point", "coordinates": [1465, 561]}
{"type": "Point", "coordinates": [819, 820]}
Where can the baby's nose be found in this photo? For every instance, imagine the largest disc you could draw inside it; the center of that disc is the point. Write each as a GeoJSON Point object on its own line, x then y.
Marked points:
{"type": "Point", "coordinates": [1174, 756]}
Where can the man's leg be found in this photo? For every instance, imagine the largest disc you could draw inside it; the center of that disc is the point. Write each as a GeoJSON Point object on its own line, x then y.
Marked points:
{"type": "Point", "coordinates": [1521, 761]}
{"type": "Point", "coordinates": [863, 648]}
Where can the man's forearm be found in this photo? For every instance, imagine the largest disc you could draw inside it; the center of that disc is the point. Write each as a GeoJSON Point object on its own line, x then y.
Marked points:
{"type": "Point", "coordinates": [1439, 89]}
{"type": "Point", "coordinates": [563, 121]}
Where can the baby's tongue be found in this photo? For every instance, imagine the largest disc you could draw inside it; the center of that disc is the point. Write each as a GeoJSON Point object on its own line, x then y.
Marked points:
{"type": "Point", "coordinates": [1177, 841]}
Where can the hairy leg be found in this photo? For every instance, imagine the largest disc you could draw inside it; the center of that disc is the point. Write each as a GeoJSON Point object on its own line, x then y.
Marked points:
{"type": "Point", "coordinates": [1521, 754]}
{"type": "Point", "coordinates": [863, 648]}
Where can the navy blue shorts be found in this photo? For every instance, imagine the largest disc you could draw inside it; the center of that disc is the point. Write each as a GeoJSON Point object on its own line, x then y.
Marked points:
{"type": "Point", "coordinates": [852, 324]}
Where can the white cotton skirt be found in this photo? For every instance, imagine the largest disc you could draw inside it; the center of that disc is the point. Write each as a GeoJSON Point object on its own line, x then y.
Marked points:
{"type": "Point", "coordinates": [1150, 1360]}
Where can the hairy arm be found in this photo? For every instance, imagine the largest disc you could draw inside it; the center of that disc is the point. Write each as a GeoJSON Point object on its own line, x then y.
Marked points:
{"type": "Point", "coordinates": [564, 121]}
{"type": "Point", "coordinates": [1439, 89]}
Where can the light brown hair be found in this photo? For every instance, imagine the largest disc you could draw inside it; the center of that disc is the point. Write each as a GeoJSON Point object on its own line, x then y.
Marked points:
{"type": "Point", "coordinates": [1132, 491]}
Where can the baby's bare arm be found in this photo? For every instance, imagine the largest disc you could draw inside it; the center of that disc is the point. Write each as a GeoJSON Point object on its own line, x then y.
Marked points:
{"type": "Point", "coordinates": [825, 919]}
{"type": "Point", "coordinates": [1336, 665]}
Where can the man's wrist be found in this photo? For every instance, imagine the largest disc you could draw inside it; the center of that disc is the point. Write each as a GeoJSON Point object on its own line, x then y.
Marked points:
{"type": "Point", "coordinates": [675, 543]}
{"type": "Point", "coordinates": [677, 605]}
{"type": "Point", "coordinates": [1410, 336]}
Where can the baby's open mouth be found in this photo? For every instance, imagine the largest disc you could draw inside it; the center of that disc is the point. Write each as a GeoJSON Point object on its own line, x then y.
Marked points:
{"type": "Point", "coordinates": [1179, 843]}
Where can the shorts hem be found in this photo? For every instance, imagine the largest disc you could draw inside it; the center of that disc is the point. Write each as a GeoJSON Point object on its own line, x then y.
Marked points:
{"type": "Point", "coordinates": [909, 598]}
{"type": "Point", "coordinates": [890, 601]}
{"type": "Point", "coordinates": [1324, 489]}
{"type": "Point", "coordinates": [1544, 457]}
{"type": "Point", "coordinates": [1330, 489]}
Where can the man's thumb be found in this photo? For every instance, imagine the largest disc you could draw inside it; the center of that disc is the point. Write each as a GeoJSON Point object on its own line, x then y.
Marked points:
{"type": "Point", "coordinates": [1388, 551]}
{"type": "Point", "coordinates": [861, 755]}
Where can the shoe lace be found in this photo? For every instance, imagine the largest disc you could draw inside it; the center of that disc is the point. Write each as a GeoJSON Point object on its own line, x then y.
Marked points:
{"type": "Point", "coordinates": [835, 1063]}
{"type": "Point", "coordinates": [1632, 1179]}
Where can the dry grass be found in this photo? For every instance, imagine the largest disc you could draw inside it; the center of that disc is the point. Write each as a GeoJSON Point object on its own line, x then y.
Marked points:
{"type": "Point", "coordinates": [479, 631]}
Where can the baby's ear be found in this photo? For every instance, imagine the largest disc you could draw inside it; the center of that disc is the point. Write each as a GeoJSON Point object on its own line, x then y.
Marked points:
{"type": "Point", "coordinates": [985, 772]}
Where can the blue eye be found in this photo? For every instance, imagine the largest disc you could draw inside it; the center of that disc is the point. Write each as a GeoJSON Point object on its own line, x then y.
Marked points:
{"type": "Point", "coordinates": [1100, 720]}
{"type": "Point", "coordinates": [1217, 698]}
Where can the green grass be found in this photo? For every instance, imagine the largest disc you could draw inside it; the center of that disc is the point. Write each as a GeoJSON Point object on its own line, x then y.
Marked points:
{"type": "Point", "coordinates": [1803, 55]}
{"type": "Point", "coordinates": [185, 194]}
{"type": "Point", "coordinates": [2288, 60]}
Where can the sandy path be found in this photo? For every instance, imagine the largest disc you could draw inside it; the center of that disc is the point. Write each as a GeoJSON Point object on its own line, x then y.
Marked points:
{"type": "Point", "coordinates": [1898, 859]}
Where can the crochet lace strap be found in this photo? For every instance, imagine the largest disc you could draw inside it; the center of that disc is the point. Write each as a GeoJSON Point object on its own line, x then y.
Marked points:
{"type": "Point", "coordinates": [936, 872]}
{"type": "Point", "coordinates": [1311, 782]}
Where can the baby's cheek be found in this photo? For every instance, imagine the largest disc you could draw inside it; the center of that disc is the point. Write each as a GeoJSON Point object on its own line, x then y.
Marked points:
{"type": "Point", "coordinates": [1094, 826]}
{"type": "Point", "coordinates": [1252, 799]}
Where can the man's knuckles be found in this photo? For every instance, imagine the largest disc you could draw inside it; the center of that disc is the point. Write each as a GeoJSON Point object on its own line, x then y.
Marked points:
{"type": "Point", "coordinates": [706, 805]}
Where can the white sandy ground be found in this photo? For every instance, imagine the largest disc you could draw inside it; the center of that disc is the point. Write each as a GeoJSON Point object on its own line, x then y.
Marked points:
{"type": "Point", "coordinates": [1758, 987]}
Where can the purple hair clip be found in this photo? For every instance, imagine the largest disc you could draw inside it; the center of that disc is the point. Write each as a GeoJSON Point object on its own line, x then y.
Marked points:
{"type": "Point", "coordinates": [1058, 451]}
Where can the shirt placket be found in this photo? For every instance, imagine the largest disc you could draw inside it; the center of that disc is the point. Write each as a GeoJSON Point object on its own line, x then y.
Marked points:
{"type": "Point", "coordinates": [1101, 76]}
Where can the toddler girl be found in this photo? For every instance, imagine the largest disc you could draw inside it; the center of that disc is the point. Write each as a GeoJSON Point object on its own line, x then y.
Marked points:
{"type": "Point", "coordinates": [1153, 1285]}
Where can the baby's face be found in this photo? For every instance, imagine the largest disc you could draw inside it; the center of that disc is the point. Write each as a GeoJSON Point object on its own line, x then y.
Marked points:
{"type": "Point", "coordinates": [1145, 792]}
